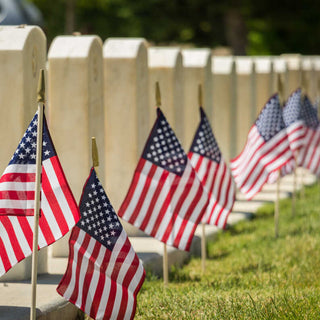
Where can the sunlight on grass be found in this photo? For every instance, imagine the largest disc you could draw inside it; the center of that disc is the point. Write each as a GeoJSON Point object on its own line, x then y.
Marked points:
{"type": "Point", "coordinates": [250, 274]}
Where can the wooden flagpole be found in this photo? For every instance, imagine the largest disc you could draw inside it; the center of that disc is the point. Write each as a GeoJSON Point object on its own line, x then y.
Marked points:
{"type": "Point", "coordinates": [95, 164]}
{"type": "Point", "coordinates": [203, 225]}
{"type": "Point", "coordinates": [95, 154]}
{"type": "Point", "coordinates": [276, 204]}
{"type": "Point", "coordinates": [304, 91]}
{"type": "Point", "coordinates": [41, 100]}
{"type": "Point", "coordinates": [318, 101]}
{"type": "Point", "coordinates": [165, 253]}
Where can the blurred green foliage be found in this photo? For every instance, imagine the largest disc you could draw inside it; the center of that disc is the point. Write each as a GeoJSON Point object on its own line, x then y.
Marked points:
{"type": "Point", "coordinates": [271, 27]}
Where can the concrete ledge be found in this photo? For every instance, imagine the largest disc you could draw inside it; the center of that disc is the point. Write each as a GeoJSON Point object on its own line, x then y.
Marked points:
{"type": "Point", "coordinates": [15, 300]}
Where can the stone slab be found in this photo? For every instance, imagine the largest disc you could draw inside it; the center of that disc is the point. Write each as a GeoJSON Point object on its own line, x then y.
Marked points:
{"type": "Point", "coordinates": [247, 206]}
{"type": "Point", "coordinates": [264, 196]}
{"type": "Point", "coordinates": [15, 300]}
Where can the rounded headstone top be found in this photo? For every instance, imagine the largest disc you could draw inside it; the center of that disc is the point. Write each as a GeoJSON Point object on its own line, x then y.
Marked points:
{"type": "Point", "coordinates": [195, 58]}
{"type": "Point", "coordinates": [222, 64]}
{"type": "Point", "coordinates": [306, 63]}
{"type": "Point", "coordinates": [123, 47]}
{"type": "Point", "coordinates": [244, 65]}
{"type": "Point", "coordinates": [279, 65]}
{"type": "Point", "coordinates": [15, 37]}
{"type": "Point", "coordinates": [72, 46]}
{"type": "Point", "coordinates": [263, 64]}
{"type": "Point", "coordinates": [316, 63]}
{"type": "Point", "coordinates": [163, 57]}
{"type": "Point", "coordinates": [293, 60]}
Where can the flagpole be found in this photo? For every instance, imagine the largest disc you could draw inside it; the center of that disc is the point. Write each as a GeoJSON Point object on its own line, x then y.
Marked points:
{"type": "Point", "coordinates": [276, 204]}
{"type": "Point", "coordinates": [95, 154]}
{"type": "Point", "coordinates": [165, 266]}
{"type": "Point", "coordinates": [165, 253]}
{"type": "Point", "coordinates": [203, 225]}
{"type": "Point", "coordinates": [95, 164]}
{"type": "Point", "coordinates": [304, 90]}
{"type": "Point", "coordinates": [318, 108]}
{"type": "Point", "coordinates": [276, 209]}
{"type": "Point", "coordinates": [41, 100]}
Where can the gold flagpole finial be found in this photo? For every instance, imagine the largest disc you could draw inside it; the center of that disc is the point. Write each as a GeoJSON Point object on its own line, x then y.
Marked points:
{"type": "Point", "coordinates": [304, 83]}
{"type": "Point", "coordinates": [158, 95]}
{"type": "Point", "coordinates": [41, 87]}
{"type": "Point", "coordinates": [95, 155]}
{"type": "Point", "coordinates": [280, 87]}
{"type": "Point", "coordinates": [200, 98]}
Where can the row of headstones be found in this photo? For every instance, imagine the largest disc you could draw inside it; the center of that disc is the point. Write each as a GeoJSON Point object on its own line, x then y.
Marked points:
{"type": "Point", "coordinates": [107, 91]}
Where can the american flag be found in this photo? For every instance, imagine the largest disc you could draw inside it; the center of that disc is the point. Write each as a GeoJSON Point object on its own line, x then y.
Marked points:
{"type": "Point", "coordinates": [104, 274]}
{"type": "Point", "coordinates": [166, 199]}
{"type": "Point", "coordinates": [59, 211]}
{"type": "Point", "coordinates": [215, 176]}
{"type": "Point", "coordinates": [266, 151]}
{"type": "Point", "coordinates": [292, 117]}
{"type": "Point", "coordinates": [295, 126]}
{"type": "Point", "coordinates": [309, 155]}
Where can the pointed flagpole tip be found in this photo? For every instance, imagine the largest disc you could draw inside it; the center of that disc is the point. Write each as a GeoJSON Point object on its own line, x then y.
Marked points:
{"type": "Point", "coordinates": [304, 83]}
{"type": "Point", "coordinates": [95, 155]}
{"type": "Point", "coordinates": [41, 87]}
{"type": "Point", "coordinates": [200, 99]}
{"type": "Point", "coordinates": [280, 88]}
{"type": "Point", "coordinates": [158, 95]}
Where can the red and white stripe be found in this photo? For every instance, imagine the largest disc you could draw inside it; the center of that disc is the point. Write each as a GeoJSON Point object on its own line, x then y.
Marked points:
{"type": "Point", "coordinates": [164, 205]}
{"type": "Point", "coordinates": [102, 283]}
{"type": "Point", "coordinates": [252, 168]}
{"type": "Point", "coordinates": [296, 135]}
{"type": "Point", "coordinates": [309, 155]}
{"type": "Point", "coordinates": [217, 182]}
{"type": "Point", "coordinates": [59, 212]}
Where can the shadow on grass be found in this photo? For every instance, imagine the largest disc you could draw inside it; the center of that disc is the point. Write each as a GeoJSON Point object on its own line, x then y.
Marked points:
{"type": "Point", "coordinates": [218, 256]}
{"type": "Point", "coordinates": [241, 228]}
{"type": "Point", "coordinates": [178, 275]}
{"type": "Point", "coordinates": [253, 267]}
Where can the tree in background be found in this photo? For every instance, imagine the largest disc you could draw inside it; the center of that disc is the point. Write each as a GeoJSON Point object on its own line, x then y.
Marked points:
{"type": "Point", "coordinates": [247, 26]}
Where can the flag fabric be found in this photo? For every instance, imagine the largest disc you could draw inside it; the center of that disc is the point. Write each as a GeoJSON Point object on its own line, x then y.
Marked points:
{"type": "Point", "coordinates": [295, 125]}
{"type": "Point", "coordinates": [104, 274]}
{"type": "Point", "coordinates": [309, 155]}
{"type": "Point", "coordinates": [59, 211]}
{"type": "Point", "coordinates": [296, 129]}
{"type": "Point", "coordinates": [166, 199]}
{"type": "Point", "coordinates": [266, 151]}
{"type": "Point", "coordinates": [215, 176]}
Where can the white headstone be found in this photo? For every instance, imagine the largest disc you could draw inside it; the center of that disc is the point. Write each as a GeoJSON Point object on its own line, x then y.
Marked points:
{"type": "Point", "coordinates": [264, 80]}
{"type": "Point", "coordinates": [76, 109]}
{"type": "Point", "coordinates": [316, 66]}
{"type": "Point", "coordinates": [246, 99]}
{"type": "Point", "coordinates": [280, 67]}
{"type": "Point", "coordinates": [294, 71]}
{"type": "Point", "coordinates": [197, 70]}
{"type": "Point", "coordinates": [224, 103]}
{"type": "Point", "coordinates": [22, 55]}
{"type": "Point", "coordinates": [165, 66]}
{"type": "Point", "coordinates": [309, 74]}
{"type": "Point", "coordinates": [127, 117]}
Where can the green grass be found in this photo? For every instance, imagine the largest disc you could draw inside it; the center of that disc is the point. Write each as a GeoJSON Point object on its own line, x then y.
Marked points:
{"type": "Point", "coordinates": [249, 274]}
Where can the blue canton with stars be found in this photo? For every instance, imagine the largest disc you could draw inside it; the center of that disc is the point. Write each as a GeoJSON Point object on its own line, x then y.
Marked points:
{"type": "Point", "coordinates": [163, 148]}
{"type": "Point", "coordinates": [292, 108]}
{"type": "Point", "coordinates": [98, 217]}
{"type": "Point", "coordinates": [204, 142]}
{"type": "Point", "coordinates": [27, 148]}
{"type": "Point", "coordinates": [309, 113]}
{"type": "Point", "coordinates": [270, 120]}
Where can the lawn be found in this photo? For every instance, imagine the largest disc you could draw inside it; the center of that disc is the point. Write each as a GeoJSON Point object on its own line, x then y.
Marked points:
{"type": "Point", "coordinates": [249, 273]}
